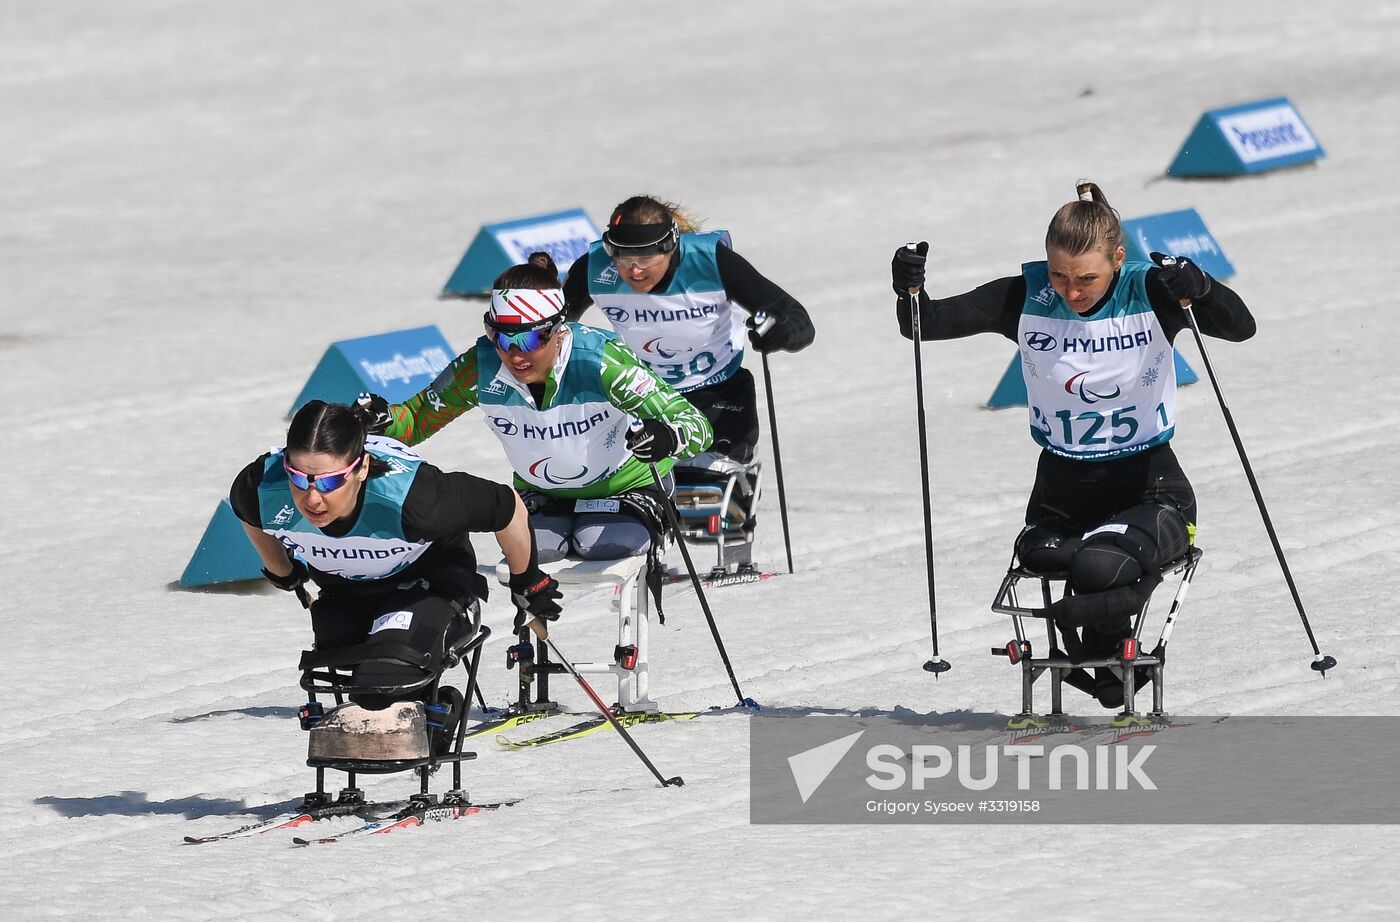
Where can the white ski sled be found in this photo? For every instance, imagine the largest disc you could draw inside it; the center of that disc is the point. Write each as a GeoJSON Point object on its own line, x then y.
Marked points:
{"type": "Point", "coordinates": [624, 581]}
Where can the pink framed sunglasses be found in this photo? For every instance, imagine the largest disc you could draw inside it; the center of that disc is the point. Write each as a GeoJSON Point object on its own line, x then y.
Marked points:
{"type": "Point", "coordinates": [323, 483]}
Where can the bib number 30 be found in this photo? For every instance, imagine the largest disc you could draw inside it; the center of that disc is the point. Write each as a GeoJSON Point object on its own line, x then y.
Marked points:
{"type": "Point", "coordinates": [676, 373]}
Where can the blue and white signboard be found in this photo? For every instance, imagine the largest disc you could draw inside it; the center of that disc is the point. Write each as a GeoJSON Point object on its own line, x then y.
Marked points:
{"type": "Point", "coordinates": [1248, 138]}
{"type": "Point", "coordinates": [1177, 233]}
{"type": "Point", "coordinates": [394, 365]}
{"type": "Point", "coordinates": [564, 235]}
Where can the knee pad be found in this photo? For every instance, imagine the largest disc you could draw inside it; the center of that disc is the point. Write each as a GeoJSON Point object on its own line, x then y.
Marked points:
{"type": "Point", "coordinates": [1102, 564]}
{"type": "Point", "coordinates": [1130, 545]}
{"type": "Point", "coordinates": [610, 537]}
{"type": "Point", "coordinates": [1163, 530]}
{"type": "Point", "coordinates": [551, 537]}
{"type": "Point", "coordinates": [1044, 550]}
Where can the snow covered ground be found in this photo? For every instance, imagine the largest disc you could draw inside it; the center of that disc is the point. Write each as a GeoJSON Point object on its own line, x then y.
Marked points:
{"type": "Point", "coordinates": [199, 197]}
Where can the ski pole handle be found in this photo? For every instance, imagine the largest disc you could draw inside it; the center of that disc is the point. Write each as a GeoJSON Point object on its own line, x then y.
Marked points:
{"type": "Point", "coordinates": [1167, 263]}
{"type": "Point", "coordinates": [761, 323]}
{"type": "Point", "coordinates": [912, 247]}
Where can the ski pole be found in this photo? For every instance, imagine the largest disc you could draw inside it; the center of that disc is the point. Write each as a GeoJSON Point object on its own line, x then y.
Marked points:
{"type": "Point", "coordinates": [1321, 663]}
{"type": "Point", "coordinates": [761, 323]}
{"type": "Point", "coordinates": [543, 634]}
{"type": "Point", "coordinates": [935, 665]}
{"type": "Point", "coordinates": [675, 524]}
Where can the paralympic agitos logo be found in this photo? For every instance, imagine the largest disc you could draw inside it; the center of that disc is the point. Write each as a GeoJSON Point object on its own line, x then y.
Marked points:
{"type": "Point", "coordinates": [540, 471]}
{"type": "Point", "coordinates": [653, 347]}
{"type": "Point", "coordinates": [1075, 385]}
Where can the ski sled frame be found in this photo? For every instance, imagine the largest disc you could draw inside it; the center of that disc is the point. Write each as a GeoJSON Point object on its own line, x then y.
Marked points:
{"type": "Point", "coordinates": [1125, 664]}
{"type": "Point", "coordinates": [624, 581]}
{"type": "Point", "coordinates": [326, 674]}
{"type": "Point", "coordinates": [720, 508]}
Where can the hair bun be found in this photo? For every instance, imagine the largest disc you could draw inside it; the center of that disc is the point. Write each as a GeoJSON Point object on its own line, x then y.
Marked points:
{"type": "Point", "coordinates": [544, 261]}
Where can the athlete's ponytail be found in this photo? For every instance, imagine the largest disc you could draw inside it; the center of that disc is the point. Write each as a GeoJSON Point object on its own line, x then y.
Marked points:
{"type": "Point", "coordinates": [1086, 224]}
{"type": "Point", "coordinates": [538, 272]}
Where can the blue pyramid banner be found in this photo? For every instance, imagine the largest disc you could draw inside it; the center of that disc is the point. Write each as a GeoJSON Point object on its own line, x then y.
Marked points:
{"type": "Point", "coordinates": [1247, 138]}
{"type": "Point", "coordinates": [224, 554]}
{"type": "Point", "coordinates": [564, 235]}
{"type": "Point", "coordinates": [1011, 389]}
{"type": "Point", "coordinates": [394, 365]}
{"type": "Point", "coordinates": [1177, 233]}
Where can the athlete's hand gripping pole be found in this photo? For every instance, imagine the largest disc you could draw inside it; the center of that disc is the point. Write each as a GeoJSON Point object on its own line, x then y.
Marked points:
{"type": "Point", "coordinates": [1320, 662]}
{"type": "Point", "coordinates": [917, 253]}
{"type": "Point", "coordinates": [540, 631]}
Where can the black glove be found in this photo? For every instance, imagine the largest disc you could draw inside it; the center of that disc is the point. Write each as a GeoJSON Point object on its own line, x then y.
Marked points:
{"type": "Point", "coordinates": [1184, 281]}
{"type": "Point", "coordinates": [535, 594]}
{"type": "Point", "coordinates": [907, 268]}
{"type": "Point", "coordinates": [791, 331]}
{"type": "Point", "coordinates": [654, 441]}
{"type": "Point", "coordinates": [373, 411]}
{"type": "Point", "coordinates": [292, 581]}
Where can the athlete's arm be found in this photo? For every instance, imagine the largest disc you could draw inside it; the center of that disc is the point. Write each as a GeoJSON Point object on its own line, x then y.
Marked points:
{"type": "Point", "coordinates": [243, 497]}
{"type": "Point", "coordinates": [751, 290]}
{"type": "Point", "coordinates": [441, 504]}
{"type": "Point", "coordinates": [991, 308]}
{"type": "Point", "coordinates": [450, 395]}
{"type": "Point", "coordinates": [1221, 313]}
{"type": "Point", "coordinates": [634, 388]}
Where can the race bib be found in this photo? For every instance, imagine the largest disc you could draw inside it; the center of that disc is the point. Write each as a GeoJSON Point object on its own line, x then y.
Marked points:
{"type": "Point", "coordinates": [392, 621]}
{"type": "Point", "coordinates": [597, 505]}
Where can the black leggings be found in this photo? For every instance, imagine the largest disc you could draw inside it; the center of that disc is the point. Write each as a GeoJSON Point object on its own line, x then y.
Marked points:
{"type": "Point", "coordinates": [1111, 557]}
{"type": "Point", "coordinates": [731, 406]}
{"type": "Point", "coordinates": [413, 618]}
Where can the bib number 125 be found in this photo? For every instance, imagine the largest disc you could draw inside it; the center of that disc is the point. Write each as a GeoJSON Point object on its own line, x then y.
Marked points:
{"type": "Point", "coordinates": [1091, 428]}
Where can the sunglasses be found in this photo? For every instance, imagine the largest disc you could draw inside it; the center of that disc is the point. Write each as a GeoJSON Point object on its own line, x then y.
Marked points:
{"type": "Point", "coordinates": [524, 341]}
{"type": "Point", "coordinates": [323, 483]}
{"type": "Point", "coordinates": [644, 253]}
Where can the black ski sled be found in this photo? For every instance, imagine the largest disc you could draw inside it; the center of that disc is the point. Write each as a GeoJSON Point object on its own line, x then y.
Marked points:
{"type": "Point", "coordinates": [405, 736]}
{"type": "Point", "coordinates": [1132, 664]}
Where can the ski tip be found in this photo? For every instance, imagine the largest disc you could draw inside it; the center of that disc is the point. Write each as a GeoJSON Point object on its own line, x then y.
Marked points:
{"type": "Point", "coordinates": [937, 667]}
{"type": "Point", "coordinates": [1322, 664]}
